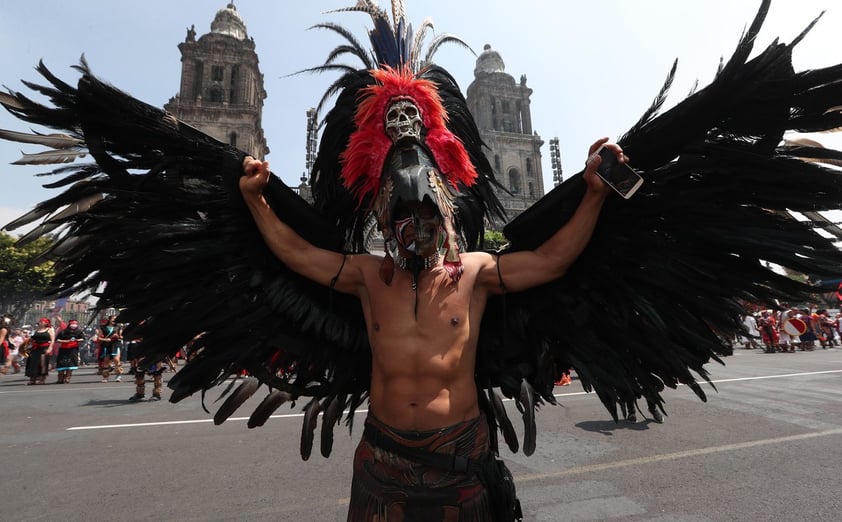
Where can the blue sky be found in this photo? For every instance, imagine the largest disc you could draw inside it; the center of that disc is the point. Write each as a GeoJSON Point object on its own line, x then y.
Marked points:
{"type": "Point", "coordinates": [594, 66]}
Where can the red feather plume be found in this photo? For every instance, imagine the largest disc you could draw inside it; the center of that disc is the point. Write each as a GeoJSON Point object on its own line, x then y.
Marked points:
{"type": "Point", "coordinates": [368, 146]}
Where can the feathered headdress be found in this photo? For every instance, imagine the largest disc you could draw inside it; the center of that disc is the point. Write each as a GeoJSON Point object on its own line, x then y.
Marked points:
{"type": "Point", "coordinates": [369, 145]}
{"type": "Point", "coordinates": [400, 99]}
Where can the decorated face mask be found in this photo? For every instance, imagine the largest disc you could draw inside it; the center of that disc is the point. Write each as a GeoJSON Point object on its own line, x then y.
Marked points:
{"type": "Point", "coordinates": [418, 229]}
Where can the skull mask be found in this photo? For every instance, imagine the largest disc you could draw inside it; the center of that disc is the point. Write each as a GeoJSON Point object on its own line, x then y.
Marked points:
{"type": "Point", "coordinates": [403, 120]}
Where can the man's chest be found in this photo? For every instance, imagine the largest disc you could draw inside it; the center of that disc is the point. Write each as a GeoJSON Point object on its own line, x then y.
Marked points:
{"type": "Point", "coordinates": [437, 302]}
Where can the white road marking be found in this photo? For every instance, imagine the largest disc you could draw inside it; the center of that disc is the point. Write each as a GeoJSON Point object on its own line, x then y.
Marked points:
{"type": "Point", "coordinates": [48, 388]}
{"type": "Point", "coordinates": [678, 455]}
{"type": "Point", "coordinates": [294, 415]}
{"type": "Point", "coordinates": [774, 376]}
{"type": "Point", "coordinates": [168, 423]}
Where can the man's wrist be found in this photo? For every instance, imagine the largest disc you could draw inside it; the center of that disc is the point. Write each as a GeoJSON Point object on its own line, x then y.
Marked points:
{"type": "Point", "coordinates": [255, 200]}
{"type": "Point", "coordinates": [596, 194]}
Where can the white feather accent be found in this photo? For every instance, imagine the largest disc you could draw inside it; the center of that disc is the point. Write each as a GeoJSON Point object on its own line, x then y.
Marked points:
{"type": "Point", "coordinates": [398, 12]}
{"type": "Point", "coordinates": [9, 101]}
{"type": "Point", "coordinates": [56, 141]}
{"type": "Point", "coordinates": [50, 157]}
{"type": "Point", "coordinates": [83, 205]}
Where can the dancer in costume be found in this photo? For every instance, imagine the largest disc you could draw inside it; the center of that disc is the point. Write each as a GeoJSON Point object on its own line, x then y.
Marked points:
{"type": "Point", "coordinates": [669, 268]}
{"type": "Point", "coordinates": [422, 312]}
{"type": "Point", "coordinates": [38, 362]}
{"type": "Point", "coordinates": [68, 341]}
{"type": "Point", "coordinates": [108, 337]}
{"type": "Point", "coordinates": [141, 370]}
{"type": "Point", "coordinates": [5, 343]}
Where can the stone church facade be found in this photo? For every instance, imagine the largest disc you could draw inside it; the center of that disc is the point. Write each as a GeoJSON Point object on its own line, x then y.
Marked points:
{"type": "Point", "coordinates": [501, 108]}
{"type": "Point", "coordinates": [221, 91]}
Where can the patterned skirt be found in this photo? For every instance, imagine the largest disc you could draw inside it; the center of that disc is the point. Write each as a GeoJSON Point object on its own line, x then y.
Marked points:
{"type": "Point", "coordinates": [388, 487]}
{"type": "Point", "coordinates": [68, 359]}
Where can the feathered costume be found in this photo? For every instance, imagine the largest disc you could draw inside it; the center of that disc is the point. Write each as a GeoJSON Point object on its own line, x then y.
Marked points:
{"type": "Point", "coordinates": [647, 304]}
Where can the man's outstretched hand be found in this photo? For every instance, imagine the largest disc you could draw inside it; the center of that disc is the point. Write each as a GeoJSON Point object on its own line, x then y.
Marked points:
{"type": "Point", "coordinates": [255, 177]}
{"type": "Point", "coordinates": [594, 182]}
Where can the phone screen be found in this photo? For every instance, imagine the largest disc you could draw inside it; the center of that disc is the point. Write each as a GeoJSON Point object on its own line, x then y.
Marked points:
{"type": "Point", "coordinates": [622, 178]}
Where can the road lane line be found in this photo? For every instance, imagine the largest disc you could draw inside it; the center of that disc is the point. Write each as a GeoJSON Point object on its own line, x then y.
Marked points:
{"type": "Point", "coordinates": [677, 455]}
{"type": "Point", "coordinates": [47, 388]}
{"type": "Point", "coordinates": [759, 377]}
{"type": "Point", "coordinates": [168, 423]}
{"type": "Point", "coordinates": [292, 415]}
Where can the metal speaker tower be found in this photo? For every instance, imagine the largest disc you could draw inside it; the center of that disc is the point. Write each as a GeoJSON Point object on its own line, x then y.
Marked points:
{"type": "Point", "coordinates": [555, 161]}
{"type": "Point", "coordinates": [311, 144]}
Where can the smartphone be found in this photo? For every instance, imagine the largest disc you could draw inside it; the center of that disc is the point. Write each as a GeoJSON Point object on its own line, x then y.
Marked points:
{"type": "Point", "coordinates": [619, 176]}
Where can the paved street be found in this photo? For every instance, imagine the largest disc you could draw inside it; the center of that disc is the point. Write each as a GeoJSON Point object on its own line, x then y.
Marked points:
{"type": "Point", "coordinates": [766, 446]}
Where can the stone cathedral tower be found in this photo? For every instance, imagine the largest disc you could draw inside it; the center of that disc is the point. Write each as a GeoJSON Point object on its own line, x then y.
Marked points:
{"type": "Point", "coordinates": [221, 89]}
{"type": "Point", "coordinates": [501, 108]}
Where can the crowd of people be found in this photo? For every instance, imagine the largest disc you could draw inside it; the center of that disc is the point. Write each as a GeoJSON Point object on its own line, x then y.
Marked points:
{"type": "Point", "coordinates": [56, 345]}
{"type": "Point", "coordinates": [792, 329]}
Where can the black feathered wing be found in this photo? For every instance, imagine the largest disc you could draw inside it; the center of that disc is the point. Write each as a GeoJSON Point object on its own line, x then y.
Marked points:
{"type": "Point", "coordinates": [657, 293]}
{"type": "Point", "coordinates": [157, 228]}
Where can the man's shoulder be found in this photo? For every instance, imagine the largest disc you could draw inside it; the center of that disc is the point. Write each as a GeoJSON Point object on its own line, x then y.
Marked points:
{"type": "Point", "coordinates": [477, 256]}
{"type": "Point", "coordinates": [364, 259]}
{"type": "Point", "coordinates": [367, 265]}
{"type": "Point", "coordinates": [478, 260]}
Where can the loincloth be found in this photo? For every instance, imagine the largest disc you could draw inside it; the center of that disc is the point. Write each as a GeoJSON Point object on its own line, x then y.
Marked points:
{"type": "Point", "coordinates": [388, 486]}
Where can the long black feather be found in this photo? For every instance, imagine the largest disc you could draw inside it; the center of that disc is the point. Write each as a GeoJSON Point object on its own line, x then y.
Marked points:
{"type": "Point", "coordinates": [243, 392]}
{"type": "Point", "coordinates": [311, 417]}
{"type": "Point", "coordinates": [267, 407]}
{"type": "Point", "coordinates": [526, 401]}
{"type": "Point", "coordinates": [330, 418]}
{"type": "Point", "coordinates": [503, 421]}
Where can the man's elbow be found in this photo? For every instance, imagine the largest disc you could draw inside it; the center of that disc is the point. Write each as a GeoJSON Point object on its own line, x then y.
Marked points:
{"type": "Point", "coordinates": [551, 269]}
{"type": "Point", "coordinates": [558, 272]}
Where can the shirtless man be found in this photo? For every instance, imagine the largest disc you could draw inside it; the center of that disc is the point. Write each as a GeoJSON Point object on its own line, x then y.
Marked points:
{"type": "Point", "coordinates": [423, 345]}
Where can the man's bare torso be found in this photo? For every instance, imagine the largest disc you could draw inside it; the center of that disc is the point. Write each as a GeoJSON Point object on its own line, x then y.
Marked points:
{"type": "Point", "coordinates": [423, 359]}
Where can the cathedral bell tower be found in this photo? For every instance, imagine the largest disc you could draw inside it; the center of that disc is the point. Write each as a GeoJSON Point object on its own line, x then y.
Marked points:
{"type": "Point", "coordinates": [221, 89]}
{"type": "Point", "coordinates": [501, 108]}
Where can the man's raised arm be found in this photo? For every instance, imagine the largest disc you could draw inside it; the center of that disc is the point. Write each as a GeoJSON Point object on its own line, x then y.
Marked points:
{"type": "Point", "coordinates": [299, 255]}
{"type": "Point", "coordinates": [522, 270]}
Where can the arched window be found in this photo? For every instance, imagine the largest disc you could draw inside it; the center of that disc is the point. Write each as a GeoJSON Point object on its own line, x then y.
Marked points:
{"type": "Point", "coordinates": [198, 76]}
{"type": "Point", "coordinates": [234, 84]}
{"type": "Point", "coordinates": [528, 167]}
{"type": "Point", "coordinates": [514, 181]}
